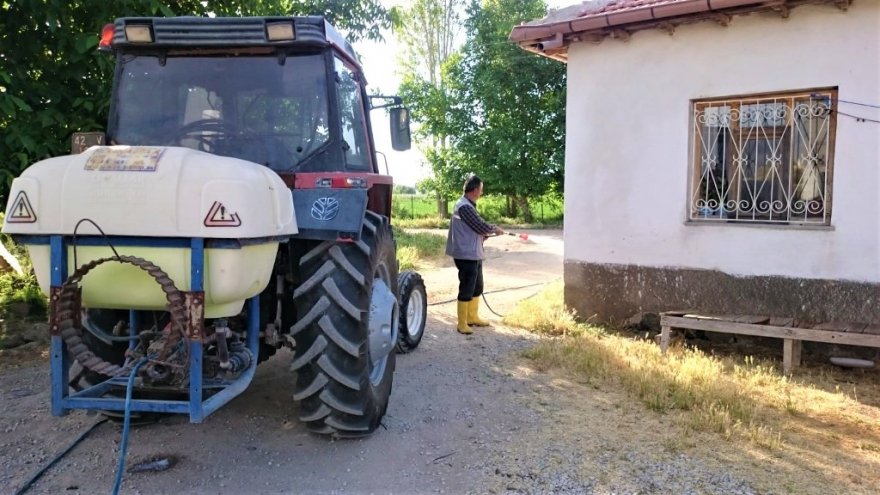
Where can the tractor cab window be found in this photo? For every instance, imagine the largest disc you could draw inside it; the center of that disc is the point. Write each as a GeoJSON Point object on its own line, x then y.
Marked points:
{"type": "Point", "coordinates": [253, 108]}
{"type": "Point", "coordinates": [352, 118]}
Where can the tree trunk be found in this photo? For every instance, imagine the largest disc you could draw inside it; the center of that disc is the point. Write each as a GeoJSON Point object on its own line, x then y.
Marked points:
{"type": "Point", "coordinates": [523, 204]}
{"type": "Point", "coordinates": [510, 208]}
{"type": "Point", "coordinates": [442, 206]}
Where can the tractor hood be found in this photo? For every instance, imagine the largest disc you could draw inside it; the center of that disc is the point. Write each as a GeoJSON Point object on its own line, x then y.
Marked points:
{"type": "Point", "coordinates": [150, 191]}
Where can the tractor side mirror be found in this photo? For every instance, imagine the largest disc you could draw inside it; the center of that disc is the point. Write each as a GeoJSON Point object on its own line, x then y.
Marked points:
{"type": "Point", "coordinates": [81, 141]}
{"type": "Point", "coordinates": [400, 135]}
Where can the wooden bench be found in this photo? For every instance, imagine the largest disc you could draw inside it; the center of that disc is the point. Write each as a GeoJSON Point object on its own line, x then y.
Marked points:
{"type": "Point", "coordinates": [792, 336]}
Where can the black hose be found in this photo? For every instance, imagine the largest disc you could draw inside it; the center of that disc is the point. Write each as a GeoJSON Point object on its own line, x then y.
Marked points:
{"type": "Point", "coordinates": [486, 301]}
{"type": "Point", "coordinates": [493, 292]}
{"type": "Point", "coordinates": [33, 479]}
{"type": "Point", "coordinates": [76, 227]}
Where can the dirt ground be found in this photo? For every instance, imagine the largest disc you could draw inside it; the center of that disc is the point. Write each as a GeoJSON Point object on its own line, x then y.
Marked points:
{"type": "Point", "coordinates": [467, 415]}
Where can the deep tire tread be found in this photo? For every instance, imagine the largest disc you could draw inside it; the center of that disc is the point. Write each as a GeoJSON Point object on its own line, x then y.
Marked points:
{"type": "Point", "coordinates": [313, 351]}
{"type": "Point", "coordinates": [313, 314]}
{"type": "Point", "coordinates": [312, 388]}
{"type": "Point", "coordinates": [337, 297]}
{"type": "Point", "coordinates": [326, 324]}
{"type": "Point", "coordinates": [331, 358]}
{"type": "Point", "coordinates": [337, 374]}
{"type": "Point", "coordinates": [336, 403]}
{"type": "Point", "coordinates": [318, 277]}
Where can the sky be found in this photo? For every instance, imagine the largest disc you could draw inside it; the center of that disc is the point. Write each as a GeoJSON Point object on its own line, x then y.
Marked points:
{"type": "Point", "coordinates": [379, 61]}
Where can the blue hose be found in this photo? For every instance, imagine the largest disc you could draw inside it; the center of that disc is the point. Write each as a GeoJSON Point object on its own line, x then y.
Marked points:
{"type": "Point", "coordinates": [120, 466]}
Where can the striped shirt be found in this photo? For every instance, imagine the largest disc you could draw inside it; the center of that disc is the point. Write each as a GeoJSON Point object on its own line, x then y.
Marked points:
{"type": "Point", "coordinates": [468, 213]}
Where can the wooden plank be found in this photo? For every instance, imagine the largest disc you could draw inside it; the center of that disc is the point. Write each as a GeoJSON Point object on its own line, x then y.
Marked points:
{"type": "Point", "coordinates": [831, 337]}
{"type": "Point", "coordinates": [677, 313]}
{"type": "Point", "coordinates": [703, 317]}
{"type": "Point", "coordinates": [854, 327]}
{"type": "Point", "coordinates": [752, 319]}
{"type": "Point", "coordinates": [841, 326]}
{"type": "Point", "coordinates": [664, 338]}
{"type": "Point", "coordinates": [791, 355]}
{"type": "Point", "coordinates": [779, 321]}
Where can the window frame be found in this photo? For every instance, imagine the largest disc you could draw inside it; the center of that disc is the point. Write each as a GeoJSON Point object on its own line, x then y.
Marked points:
{"type": "Point", "coordinates": [731, 132]}
{"type": "Point", "coordinates": [359, 103]}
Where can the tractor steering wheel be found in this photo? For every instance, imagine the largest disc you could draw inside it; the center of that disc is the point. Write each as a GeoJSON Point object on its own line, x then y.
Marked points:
{"type": "Point", "coordinates": [197, 129]}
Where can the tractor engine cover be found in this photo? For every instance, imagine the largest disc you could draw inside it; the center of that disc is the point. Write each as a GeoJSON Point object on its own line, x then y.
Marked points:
{"type": "Point", "coordinates": [242, 210]}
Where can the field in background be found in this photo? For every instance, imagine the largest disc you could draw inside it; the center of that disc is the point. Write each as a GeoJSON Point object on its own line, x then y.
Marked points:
{"type": "Point", "coordinates": [545, 210]}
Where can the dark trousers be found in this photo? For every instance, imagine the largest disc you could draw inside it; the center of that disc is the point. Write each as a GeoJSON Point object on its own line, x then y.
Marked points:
{"type": "Point", "coordinates": [470, 279]}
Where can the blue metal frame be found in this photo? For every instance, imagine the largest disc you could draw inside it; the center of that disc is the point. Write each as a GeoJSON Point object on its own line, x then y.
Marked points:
{"type": "Point", "coordinates": [196, 405]}
{"type": "Point", "coordinates": [178, 242]}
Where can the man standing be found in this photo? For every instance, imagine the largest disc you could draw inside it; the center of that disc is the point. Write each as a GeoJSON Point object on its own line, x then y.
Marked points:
{"type": "Point", "coordinates": [467, 231]}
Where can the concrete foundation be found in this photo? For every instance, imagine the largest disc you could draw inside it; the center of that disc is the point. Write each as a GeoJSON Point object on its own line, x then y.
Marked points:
{"type": "Point", "coordinates": [611, 293]}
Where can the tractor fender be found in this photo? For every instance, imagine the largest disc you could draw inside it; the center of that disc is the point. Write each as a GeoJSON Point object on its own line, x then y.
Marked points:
{"type": "Point", "coordinates": [329, 214]}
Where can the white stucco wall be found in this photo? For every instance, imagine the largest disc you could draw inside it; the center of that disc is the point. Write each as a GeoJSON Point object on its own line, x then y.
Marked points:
{"type": "Point", "coordinates": [628, 153]}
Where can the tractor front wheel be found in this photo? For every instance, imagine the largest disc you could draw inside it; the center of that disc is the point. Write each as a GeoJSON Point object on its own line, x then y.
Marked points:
{"type": "Point", "coordinates": [346, 331]}
{"type": "Point", "coordinates": [413, 311]}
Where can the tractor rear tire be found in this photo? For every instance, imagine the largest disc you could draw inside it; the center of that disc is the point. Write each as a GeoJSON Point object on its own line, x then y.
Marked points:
{"type": "Point", "coordinates": [346, 331]}
{"type": "Point", "coordinates": [413, 310]}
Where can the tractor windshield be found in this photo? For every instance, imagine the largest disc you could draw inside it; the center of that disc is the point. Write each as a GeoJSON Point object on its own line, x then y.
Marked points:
{"type": "Point", "coordinates": [254, 108]}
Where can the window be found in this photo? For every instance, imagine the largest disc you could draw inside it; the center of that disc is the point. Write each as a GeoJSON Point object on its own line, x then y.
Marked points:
{"type": "Point", "coordinates": [764, 159]}
{"type": "Point", "coordinates": [246, 107]}
{"type": "Point", "coordinates": [352, 119]}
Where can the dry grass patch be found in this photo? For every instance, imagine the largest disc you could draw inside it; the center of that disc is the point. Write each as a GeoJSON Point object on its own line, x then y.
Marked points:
{"type": "Point", "coordinates": [415, 249]}
{"type": "Point", "coordinates": [830, 418]}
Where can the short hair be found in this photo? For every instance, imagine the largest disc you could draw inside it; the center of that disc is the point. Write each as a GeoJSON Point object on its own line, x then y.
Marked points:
{"type": "Point", "coordinates": [472, 183]}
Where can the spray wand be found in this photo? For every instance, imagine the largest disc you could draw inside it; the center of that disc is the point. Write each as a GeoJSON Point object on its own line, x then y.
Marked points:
{"type": "Point", "coordinates": [523, 236]}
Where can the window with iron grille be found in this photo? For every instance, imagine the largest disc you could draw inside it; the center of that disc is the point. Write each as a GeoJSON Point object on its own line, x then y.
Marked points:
{"type": "Point", "coordinates": [764, 159]}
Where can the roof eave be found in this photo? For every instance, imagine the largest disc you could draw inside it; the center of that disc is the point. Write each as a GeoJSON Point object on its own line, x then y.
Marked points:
{"type": "Point", "coordinates": [595, 27]}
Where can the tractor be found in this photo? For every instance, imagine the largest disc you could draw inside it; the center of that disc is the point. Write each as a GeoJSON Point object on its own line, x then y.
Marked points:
{"type": "Point", "coordinates": [234, 206]}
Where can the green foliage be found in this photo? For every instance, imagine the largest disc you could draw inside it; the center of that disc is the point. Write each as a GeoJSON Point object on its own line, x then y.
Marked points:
{"type": "Point", "coordinates": [509, 106]}
{"type": "Point", "coordinates": [20, 289]}
{"type": "Point", "coordinates": [428, 29]}
{"type": "Point", "coordinates": [547, 209]}
{"type": "Point", "coordinates": [491, 109]}
{"type": "Point", "coordinates": [53, 81]}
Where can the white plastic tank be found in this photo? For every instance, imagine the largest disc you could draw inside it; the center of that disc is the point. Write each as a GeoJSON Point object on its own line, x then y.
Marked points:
{"type": "Point", "coordinates": [155, 192]}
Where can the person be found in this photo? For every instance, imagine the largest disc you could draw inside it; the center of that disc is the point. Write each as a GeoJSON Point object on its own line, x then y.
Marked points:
{"type": "Point", "coordinates": [464, 244]}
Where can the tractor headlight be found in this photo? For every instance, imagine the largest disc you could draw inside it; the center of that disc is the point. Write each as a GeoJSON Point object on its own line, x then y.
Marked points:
{"type": "Point", "coordinates": [138, 33]}
{"type": "Point", "coordinates": [280, 31]}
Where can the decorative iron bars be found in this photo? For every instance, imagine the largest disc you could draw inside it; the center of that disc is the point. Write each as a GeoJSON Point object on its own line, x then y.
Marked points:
{"type": "Point", "coordinates": [764, 159]}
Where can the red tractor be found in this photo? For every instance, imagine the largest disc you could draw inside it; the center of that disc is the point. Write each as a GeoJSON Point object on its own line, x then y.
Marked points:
{"type": "Point", "coordinates": [234, 206]}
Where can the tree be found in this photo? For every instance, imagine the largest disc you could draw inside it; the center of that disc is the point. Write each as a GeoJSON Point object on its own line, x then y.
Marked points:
{"type": "Point", "coordinates": [508, 107]}
{"type": "Point", "coordinates": [428, 29]}
{"type": "Point", "coordinates": [53, 82]}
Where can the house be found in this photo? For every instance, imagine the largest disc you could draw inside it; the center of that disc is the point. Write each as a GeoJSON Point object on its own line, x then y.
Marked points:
{"type": "Point", "coordinates": [721, 155]}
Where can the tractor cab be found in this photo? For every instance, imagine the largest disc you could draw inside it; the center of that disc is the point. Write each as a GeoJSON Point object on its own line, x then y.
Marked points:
{"type": "Point", "coordinates": [287, 93]}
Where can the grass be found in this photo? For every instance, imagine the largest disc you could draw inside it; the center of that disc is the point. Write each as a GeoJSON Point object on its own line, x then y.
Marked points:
{"type": "Point", "coordinates": [736, 397]}
{"type": "Point", "coordinates": [421, 223]}
{"type": "Point", "coordinates": [414, 207]}
{"type": "Point", "coordinates": [414, 249]}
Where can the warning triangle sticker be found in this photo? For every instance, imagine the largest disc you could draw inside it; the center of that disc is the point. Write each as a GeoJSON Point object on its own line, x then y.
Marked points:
{"type": "Point", "coordinates": [21, 211]}
{"type": "Point", "coordinates": [220, 216]}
